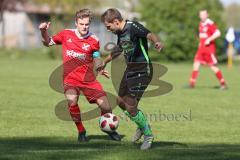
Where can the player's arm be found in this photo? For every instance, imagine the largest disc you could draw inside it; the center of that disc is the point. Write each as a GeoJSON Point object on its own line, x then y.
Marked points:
{"type": "Point", "coordinates": [115, 52]}
{"type": "Point", "coordinates": [140, 31]}
{"type": "Point", "coordinates": [108, 59]}
{"type": "Point", "coordinates": [155, 40]}
{"type": "Point", "coordinates": [104, 63]}
{"type": "Point", "coordinates": [98, 62]}
{"type": "Point", "coordinates": [215, 33]}
{"type": "Point", "coordinates": [43, 27]}
{"type": "Point", "coordinates": [214, 36]}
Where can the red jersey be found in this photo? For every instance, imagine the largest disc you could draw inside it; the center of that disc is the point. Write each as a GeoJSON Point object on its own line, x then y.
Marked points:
{"type": "Point", "coordinates": [77, 55]}
{"type": "Point", "coordinates": [206, 30]}
{"type": "Point", "coordinates": [206, 53]}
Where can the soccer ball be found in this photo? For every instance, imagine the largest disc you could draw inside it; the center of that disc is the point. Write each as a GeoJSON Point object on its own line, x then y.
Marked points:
{"type": "Point", "coordinates": [108, 122]}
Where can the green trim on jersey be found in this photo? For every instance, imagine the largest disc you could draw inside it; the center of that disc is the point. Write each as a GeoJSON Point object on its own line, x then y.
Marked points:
{"type": "Point", "coordinates": [144, 51]}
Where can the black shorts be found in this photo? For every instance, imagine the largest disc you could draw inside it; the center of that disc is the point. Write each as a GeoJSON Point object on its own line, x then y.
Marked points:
{"type": "Point", "coordinates": [135, 80]}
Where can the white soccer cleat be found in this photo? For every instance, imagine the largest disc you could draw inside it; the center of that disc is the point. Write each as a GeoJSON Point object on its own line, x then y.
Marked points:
{"type": "Point", "coordinates": [147, 142]}
{"type": "Point", "coordinates": [137, 135]}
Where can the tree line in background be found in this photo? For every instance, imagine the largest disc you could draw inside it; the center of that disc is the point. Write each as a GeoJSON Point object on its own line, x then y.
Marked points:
{"type": "Point", "coordinates": [177, 21]}
{"type": "Point", "coordinates": [232, 16]}
{"type": "Point", "coordinates": [63, 10]}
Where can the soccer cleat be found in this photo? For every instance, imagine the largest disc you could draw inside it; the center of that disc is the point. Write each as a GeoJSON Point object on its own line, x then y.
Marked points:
{"type": "Point", "coordinates": [137, 135]}
{"type": "Point", "coordinates": [192, 85]}
{"type": "Point", "coordinates": [82, 137]}
{"type": "Point", "coordinates": [223, 87]}
{"type": "Point", "coordinates": [189, 86]}
{"type": "Point", "coordinates": [147, 142]}
{"type": "Point", "coordinates": [114, 135]}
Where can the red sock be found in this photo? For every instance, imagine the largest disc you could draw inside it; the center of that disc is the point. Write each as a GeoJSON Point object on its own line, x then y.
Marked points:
{"type": "Point", "coordinates": [75, 114]}
{"type": "Point", "coordinates": [220, 77]}
{"type": "Point", "coordinates": [193, 78]}
{"type": "Point", "coordinates": [102, 113]}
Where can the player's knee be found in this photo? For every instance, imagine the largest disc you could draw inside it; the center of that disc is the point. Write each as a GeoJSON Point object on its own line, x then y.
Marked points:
{"type": "Point", "coordinates": [195, 67]}
{"type": "Point", "coordinates": [104, 104]}
{"type": "Point", "coordinates": [99, 101]}
{"type": "Point", "coordinates": [72, 97]}
{"type": "Point", "coordinates": [215, 69]}
{"type": "Point", "coordinates": [130, 101]}
{"type": "Point", "coordinates": [120, 103]}
{"type": "Point", "coordinates": [72, 100]}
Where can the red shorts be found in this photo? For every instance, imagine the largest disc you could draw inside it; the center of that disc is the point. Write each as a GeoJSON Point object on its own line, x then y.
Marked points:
{"type": "Point", "coordinates": [91, 90]}
{"type": "Point", "coordinates": [206, 55]}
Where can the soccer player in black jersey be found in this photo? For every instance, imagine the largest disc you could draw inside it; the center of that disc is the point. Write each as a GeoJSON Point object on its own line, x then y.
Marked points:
{"type": "Point", "coordinates": [132, 42]}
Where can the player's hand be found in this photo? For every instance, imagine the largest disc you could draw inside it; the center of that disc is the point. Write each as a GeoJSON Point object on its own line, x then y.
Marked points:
{"type": "Point", "coordinates": [44, 26]}
{"type": "Point", "coordinates": [101, 67]}
{"type": "Point", "coordinates": [207, 42]}
{"type": "Point", "coordinates": [158, 46]}
{"type": "Point", "coordinates": [101, 70]}
{"type": "Point", "coordinates": [104, 73]}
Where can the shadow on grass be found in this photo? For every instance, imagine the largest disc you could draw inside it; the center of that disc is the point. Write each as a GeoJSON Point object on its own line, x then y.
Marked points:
{"type": "Point", "coordinates": [101, 137]}
{"type": "Point", "coordinates": [203, 87]}
{"type": "Point", "coordinates": [62, 148]}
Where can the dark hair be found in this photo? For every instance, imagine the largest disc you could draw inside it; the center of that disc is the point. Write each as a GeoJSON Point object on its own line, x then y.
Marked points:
{"type": "Point", "coordinates": [110, 15]}
{"type": "Point", "coordinates": [83, 13]}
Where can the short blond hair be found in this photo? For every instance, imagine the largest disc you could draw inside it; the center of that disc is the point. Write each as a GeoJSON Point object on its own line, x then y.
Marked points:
{"type": "Point", "coordinates": [83, 13]}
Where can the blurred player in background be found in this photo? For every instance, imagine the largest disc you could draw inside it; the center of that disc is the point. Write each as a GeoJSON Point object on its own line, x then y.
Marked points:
{"type": "Point", "coordinates": [206, 53]}
{"type": "Point", "coordinates": [132, 42]}
{"type": "Point", "coordinates": [80, 52]}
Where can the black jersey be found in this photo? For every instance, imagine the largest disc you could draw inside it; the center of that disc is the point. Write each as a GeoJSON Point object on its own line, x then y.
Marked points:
{"type": "Point", "coordinates": [132, 40]}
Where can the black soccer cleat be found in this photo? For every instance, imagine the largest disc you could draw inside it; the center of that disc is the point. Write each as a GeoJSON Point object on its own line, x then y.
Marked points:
{"type": "Point", "coordinates": [82, 137]}
{"type": "Point", "coordinates": [114, 135]}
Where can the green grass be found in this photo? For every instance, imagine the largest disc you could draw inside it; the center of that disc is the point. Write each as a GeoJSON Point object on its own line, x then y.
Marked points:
{"type": "Point", "coordinates": [30, 129]}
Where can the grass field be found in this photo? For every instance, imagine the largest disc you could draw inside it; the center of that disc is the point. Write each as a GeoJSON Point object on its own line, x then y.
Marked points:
{"type": "Point", "coordinates": [207, 129]}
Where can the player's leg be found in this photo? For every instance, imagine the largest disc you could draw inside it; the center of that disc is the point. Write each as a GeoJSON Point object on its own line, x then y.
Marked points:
{"type": "Point", "coordinates": [131, 110]}
{"type": "Point", "coordinates": [137, 116]}
{"type": "Point", "coordinates": [121, 103]}
{"type": "Point", "coordinates": [212, 62]}
{"type": "Point", "coordinates": [194, 75]}
{"type": "Point", "coordinates": [95, 94]}
{"type": "Point", "coordinates": [72, 96]}
{"type": "Point", "coordinates": [105, 107]}
{"type": "Point", "coordinates": [219, 76]}
{"type": "Point", "coordinates": [131, 90]}
{"type": "Point", "coordinates": [198, 59]}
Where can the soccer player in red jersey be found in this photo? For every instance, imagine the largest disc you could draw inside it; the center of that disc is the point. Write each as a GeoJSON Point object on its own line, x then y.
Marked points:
{"type": "Point", "coordinates": [80, 51]}
{"type": "Point", "coordinates": [206, 53]}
